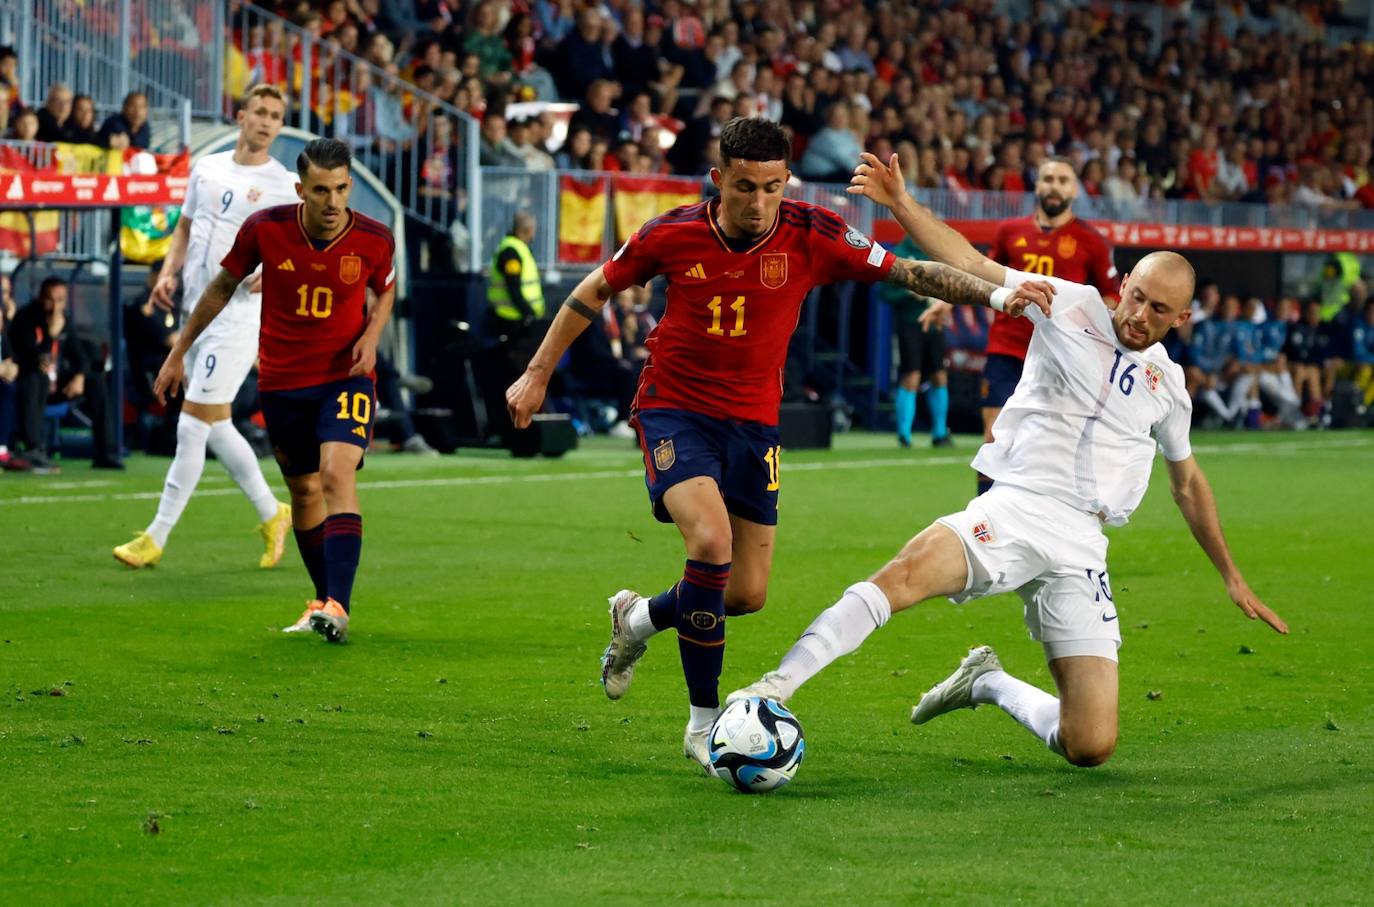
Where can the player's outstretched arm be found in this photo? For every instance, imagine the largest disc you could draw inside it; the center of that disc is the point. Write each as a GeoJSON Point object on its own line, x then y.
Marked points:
{"type": "Point", "coordinates": [885, 184]}
{"type": "Point", "coordinates": [941, 281]}
{"type": "Point", "coordinates": [166, 283]}
{"type": "Point", "coordinates": [526, 395]}
{"type": "Point", "coordinates": [365, 350]}
{"type": "Point", "coordinates": [1193, 495]}
{"type": "Point", "coordinates": [172, 375]}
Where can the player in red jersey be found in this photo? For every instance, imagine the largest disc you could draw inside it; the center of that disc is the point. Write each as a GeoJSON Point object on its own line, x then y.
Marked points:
{"type": "Point", "coordinates": [706, 411]}
{"type": "Point", "coordinates": [317, 349]}
{"type": "Point", "coordinates": [1051, 242]}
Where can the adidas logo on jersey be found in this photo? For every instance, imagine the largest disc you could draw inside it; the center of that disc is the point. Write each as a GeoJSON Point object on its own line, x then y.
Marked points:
{"type": "Point", "coordinates": [360, 431]}
{"type": "Point", "coordinates": [696, 271]}
{"type": "Point", "coordinates": [286, 266]}
{"type": "Point", "coordinates": [1021, 241]}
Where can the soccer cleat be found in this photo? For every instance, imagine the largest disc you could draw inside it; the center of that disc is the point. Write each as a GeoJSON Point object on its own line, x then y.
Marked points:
{"type": "Point", "coordinates": [331, 621]}
{"type": "Point", "coordinates": [618, 661]}
{"type": "Point", "coordinates": [695, 746]}
{"type": "Point", "coordinates": [303, 622]}
{"type": "Point", "coordinates": [274, 533]}
{"type": "Point", "coordinates": [141, 552]}
{"type": "Point", "coordinates": [766, 687]}
{"type": "Point", "coordinates": [956, 690]}
{"type": "Point", "coordinates": [942, 441]}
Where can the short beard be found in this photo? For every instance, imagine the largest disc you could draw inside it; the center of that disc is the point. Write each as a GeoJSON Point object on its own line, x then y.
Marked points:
{"type": "Point", "coordinates": [1052, 208]}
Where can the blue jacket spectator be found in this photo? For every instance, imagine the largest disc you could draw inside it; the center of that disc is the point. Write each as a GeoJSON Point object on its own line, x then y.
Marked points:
{"type": "Point", "coordinates": [831, 153]}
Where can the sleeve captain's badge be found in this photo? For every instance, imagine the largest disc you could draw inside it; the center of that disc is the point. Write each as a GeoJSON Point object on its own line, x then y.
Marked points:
{"type": "Point", "coordinates": [350, 268]}
{"type": "Point", "coordinates": [773, 269]}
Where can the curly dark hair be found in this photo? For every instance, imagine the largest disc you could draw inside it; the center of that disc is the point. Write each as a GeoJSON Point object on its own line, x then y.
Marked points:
{"type": "Point", "coordinates": [753, 140]}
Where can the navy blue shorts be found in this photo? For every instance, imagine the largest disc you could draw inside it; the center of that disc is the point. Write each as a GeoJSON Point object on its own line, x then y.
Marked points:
{"type": "Point", "coordinates": [300, 420]}
{"type": "Point", "coordinates": [1000, 377]}
{"type": "Point", "coordinates": [741, 457]}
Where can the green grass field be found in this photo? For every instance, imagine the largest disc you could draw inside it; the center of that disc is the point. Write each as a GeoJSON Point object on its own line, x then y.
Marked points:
{"type": "Point", "coordinates": [161, 742]}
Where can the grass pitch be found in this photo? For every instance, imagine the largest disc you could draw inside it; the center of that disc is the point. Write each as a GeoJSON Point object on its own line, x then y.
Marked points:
{"type": "Point", "coordinates": [161, 741]}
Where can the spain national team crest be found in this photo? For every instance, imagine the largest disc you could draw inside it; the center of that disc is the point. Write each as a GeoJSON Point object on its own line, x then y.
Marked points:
{"type": "Point", "coordinates": [350, 268]}
{"type": "Point", "coordinates": [1153, 375]}
{"type": "Point", "coordinates": [773, 269]}
{"type": "Point", "coordinates": [1067, 246]}
{"type": "Point", "coordinates": [982, 532]}
{"type": "Point", "coordinates": [664, 455]}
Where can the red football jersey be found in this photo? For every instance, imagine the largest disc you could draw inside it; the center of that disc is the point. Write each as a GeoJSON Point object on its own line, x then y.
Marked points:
{"type": "Point", "coordinates": [733, 305]}
{"type": "Point", "coordinates": [1075, 251]}
{"type": "Point", "coordinates": [314, 304]}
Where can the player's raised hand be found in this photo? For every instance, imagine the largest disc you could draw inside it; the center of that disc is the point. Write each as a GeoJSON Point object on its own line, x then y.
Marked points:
{"type": "Point", "coordinates": [364, 357]}
{"type": "Point", "coordinates": [162, 292]}
{"type": "Point", "coordinates": [170, 378]}
{"type": "Point", "coordinates": [884, 183]}
{"type": "Point", "coordinates": [1038, 293]}
{"type": "Point", "coordinates": [937, 315]}
{"type": "Point", "coordinates": [524, 397]}
{"type": "Point", "coordinates": [1249, 602]}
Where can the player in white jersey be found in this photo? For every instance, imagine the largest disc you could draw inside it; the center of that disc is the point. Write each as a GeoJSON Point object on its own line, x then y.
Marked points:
{"type": "Point", "coordinates": [223, 190]}
{"type": "Point", "coordinates": [1071, 451]}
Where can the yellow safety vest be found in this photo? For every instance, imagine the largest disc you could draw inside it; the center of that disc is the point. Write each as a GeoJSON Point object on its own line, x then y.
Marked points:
{"type": "Point", "coordinates": [498, 297]}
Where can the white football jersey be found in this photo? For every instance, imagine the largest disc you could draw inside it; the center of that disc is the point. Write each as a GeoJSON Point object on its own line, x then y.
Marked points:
{"type": "Point", "coordinates": [220, 195]}
{"type": "Point", "coordinates": [1084, 420]}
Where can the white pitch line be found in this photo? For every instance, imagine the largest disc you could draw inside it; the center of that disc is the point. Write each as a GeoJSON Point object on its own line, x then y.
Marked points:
{"type": "Point", "coordinates": [513, 479]}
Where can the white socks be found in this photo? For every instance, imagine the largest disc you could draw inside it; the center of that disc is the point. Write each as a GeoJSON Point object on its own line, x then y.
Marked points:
{"type": "Point", "coordinates": [1036, 710]}
{"type": "Point", "coordinates": [193, 436]}
{"type": "Point", "coordinates": [702, 718]}
{"type": "Point", "coordinates": [838, 630]}
{"type": "Point", "coordinates": [1213, 399]}
{"type": "Point", "coordinates": [182, 477]}
{"type": "Point", "coordinates": [234, 451]}
{"type": "Point", "coordinates": [637, 621]}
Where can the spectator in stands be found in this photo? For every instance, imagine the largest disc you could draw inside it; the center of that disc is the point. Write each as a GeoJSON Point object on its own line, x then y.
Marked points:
{"type": "Point", "coordinates": [585, 55]}
{"type": "Point", "coordinates": [527, 141]}
{"type": "Point", "coordinates": [132, 120]}
{"type": "Point", "coordinates": [9, 71]}
{"type": "Point", "coordinates": [25, 127]}
{"type": "Point", "coordinates": [576, 151]}
{"type": "Point", "coordinates": [56, 366]}
{"type": "Point", "coordinates": [496, 149]}
{"type": "Point", "coordinates": [54, 115]}
{"type": "Point", "coordinates": [9, 373]}
{"type": "Point", "coordinates": [484, 39]}
{"type": "Point", "coordinates": [1211, 353]}
{"type": "Point", "coordinates": [1312, 192]}
{"type": "Point", "coordinates": [5, 110]}
{"type": "Point", "coordinates": [81, 127]}
{"type": "Point", "coordinates": [597, 114]}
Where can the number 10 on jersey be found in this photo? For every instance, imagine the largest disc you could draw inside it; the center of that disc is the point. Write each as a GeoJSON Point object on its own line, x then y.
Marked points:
{"type": "Point", "coordinates": [316, 303]}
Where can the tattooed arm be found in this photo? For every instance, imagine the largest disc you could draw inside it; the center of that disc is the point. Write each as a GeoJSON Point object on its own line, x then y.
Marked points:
{"type": "Point", "coordinates": [941, 281]}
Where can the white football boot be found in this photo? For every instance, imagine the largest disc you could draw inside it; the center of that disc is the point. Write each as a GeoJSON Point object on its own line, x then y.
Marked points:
{"type": "Point", "coordinates": [956, 690]}
{"type": "Point", "coordinates": [696, 746]}
{"type": "Point", "coordinates": [618, 661]}
{"type": "Point", "coordinates": [766, 687]}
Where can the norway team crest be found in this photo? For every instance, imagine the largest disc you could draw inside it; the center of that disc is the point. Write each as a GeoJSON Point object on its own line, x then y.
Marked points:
{"type": "Point", "coordinates": [1067, 246]}
{"type": "Point", "coordinates": [350, 268]}
{"type": "Point", "coordinates": [1153, 375]}
{"type": "Point", "coordinates": [982, 532]}
{"type": "Point", "coordinates": [664, 455]}
{"type": "Point", "coordinates": [254, 194]}
{"type": "Point", "coordinates": [773, 269]}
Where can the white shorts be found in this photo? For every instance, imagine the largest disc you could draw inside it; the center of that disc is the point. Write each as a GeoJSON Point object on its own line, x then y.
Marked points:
{"type": "Point", "coordinates": [1050, 553]}
{"type": "Point", "coordinates": [218, 361]}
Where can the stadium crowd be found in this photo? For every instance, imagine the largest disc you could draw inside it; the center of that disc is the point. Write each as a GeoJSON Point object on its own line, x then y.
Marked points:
{"type": "Point", "coordinates": [1249, 104]}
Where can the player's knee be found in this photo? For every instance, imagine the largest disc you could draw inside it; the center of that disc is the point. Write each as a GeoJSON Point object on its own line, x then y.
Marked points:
{"type": "Point", "coordinates": [711, 544]}
{"type": "Point", "coordinates": [335, 480]}
{"type": "Point", "coordinates": [1090, 752]}
{"type": "Point", "coordinates": [746, 602]}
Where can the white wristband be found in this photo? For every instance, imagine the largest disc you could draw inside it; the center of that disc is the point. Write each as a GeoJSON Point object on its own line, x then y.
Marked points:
{"type": "Point", "coordinates": [998, 299]}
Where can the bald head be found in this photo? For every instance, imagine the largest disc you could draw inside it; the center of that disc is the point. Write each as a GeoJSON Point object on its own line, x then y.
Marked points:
{"type": "Point", "coordinates": [1157, 295]}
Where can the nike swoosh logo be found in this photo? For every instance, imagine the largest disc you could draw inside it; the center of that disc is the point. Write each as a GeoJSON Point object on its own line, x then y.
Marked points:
{"type": "Point", "coordinates": [1107, 620]}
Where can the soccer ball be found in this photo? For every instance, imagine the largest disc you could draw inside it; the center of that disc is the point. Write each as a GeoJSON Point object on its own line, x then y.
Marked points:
{"type": "Point", "coordinates": [756, 745]}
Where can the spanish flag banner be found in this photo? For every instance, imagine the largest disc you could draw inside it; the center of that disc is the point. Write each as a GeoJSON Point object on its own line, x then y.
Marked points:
{"type": "Point", "coordinates": [16, 234]}
{"type": "Point", "coordinates": [581, 219]}
{"type": "Point", "coordinates": [642, 198]}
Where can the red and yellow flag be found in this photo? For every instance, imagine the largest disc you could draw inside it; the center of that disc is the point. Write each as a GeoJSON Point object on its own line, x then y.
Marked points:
{"type": "Point", "coordinates": [642, 198]}
{"type": "Point", "coordinates": [16, 235]}
{"type": "Point", "coordinates": [581, 219]}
